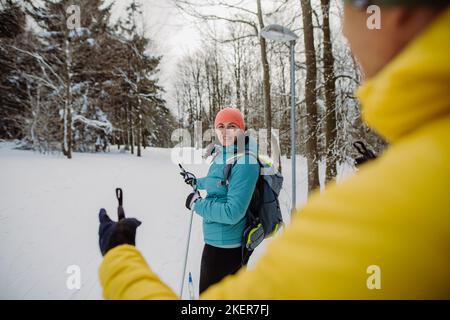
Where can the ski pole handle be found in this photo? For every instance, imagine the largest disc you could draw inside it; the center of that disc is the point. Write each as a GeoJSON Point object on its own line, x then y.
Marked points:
{"type": "Point", "coordinates": [184, 172]}
{"type": "Point", "coordinates": [120, 211]}
{"type": "Point", "coordinates": [181, 167]}
{"type": "Point", "coordinates": [119, 195]}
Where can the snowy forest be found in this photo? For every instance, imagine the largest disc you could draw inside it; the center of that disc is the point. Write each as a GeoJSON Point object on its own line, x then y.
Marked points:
{"type": "Point", "coordinates": [87, 88]}
{"type": "Point", "coordinates": [238, 67]}
{"type": "Point", "coordinates": [79, 89]}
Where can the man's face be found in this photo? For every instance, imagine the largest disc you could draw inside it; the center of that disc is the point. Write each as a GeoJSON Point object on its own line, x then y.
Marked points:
{"type": "Point", "coordinates": [367, 45]}
{"type": "Point", "coordinates": [375, 48]}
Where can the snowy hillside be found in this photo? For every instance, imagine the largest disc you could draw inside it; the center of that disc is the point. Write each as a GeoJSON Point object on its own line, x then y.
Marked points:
{"type": "Point", "coordinates": [49, 210]}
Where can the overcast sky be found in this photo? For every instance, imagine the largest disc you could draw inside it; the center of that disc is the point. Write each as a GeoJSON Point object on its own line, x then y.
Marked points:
{"type": "Point", "coordinates": [174, 33]}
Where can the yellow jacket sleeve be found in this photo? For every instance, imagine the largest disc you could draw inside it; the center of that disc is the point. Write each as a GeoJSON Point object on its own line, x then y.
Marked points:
{"type": "Point", "coordinates": [124, 274]}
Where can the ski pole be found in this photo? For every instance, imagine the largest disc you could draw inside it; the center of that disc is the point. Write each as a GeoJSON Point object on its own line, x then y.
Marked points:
{"type": "Point", "coordinates": [120, 211]}
{"type": "Point", "coordinates": [187, 244]}
{"type": "Point", "coordinates": [191, 287]}
{"type": "Point", "coordinates": [181, 167]}
{"type": "Point", "coordinates": [186, 256]}
{"type": "Point", "coordinates": [185, 172]}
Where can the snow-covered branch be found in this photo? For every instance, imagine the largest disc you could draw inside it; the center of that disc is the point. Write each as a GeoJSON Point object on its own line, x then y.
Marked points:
{"type": "Point", "coordinates": [106, 126]}
{"type": "Point", "coordinates": [41, 61]}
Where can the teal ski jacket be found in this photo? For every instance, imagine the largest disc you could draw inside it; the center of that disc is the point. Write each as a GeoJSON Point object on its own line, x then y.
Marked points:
{"type": "Point", "coordinates": [223, 209]}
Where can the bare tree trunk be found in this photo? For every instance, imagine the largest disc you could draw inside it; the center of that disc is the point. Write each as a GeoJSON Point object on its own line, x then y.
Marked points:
{"type": "Point", "coordinates": [330, 93]}
{"type": "Point", "coordinates": [245, 92]}
{"type": "Point", "coordinates": [67, 114]}
{"type": "Point", "coordinates": [310, 96]}
{"type": "Point", "coordinates": [144, 138]}
{"type": "Point", "coordinates": [35, 107]}
{"type": "Point", "coordinates": [218, 99]}
{"type": "Point", "coordinates": [237, 55]}
{"type": "Point", "coordinates": [126, 132]}
{"type": "Point", "coordinates": [139, 131]}
{"type": "Point", "coordinates": [131, 132]}
{"type": "Point", "coordinates": [209, 91]}
{"type": "Point", "coordinates": [266, 76]}
{"type": "Point", "coordinates": [238, 89]}
{"type": "Point", "coordinates": [283, 112]}
{"type": "Point", "coordinates": [138, 139]}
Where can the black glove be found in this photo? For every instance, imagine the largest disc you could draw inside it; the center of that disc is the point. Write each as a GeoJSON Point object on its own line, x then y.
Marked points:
{"type": "Point", "coordinates": [189, 178]}
{"type": "Point", "coordinates": [192, 197]}
{"type": "Point", "coordinates": [113, 234]}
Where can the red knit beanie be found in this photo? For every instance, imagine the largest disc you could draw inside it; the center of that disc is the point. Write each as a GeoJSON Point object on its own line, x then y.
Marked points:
{"type": "Point", "coordinates": [230, 115]}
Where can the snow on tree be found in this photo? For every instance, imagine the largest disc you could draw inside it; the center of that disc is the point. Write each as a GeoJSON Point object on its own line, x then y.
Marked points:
{"type": "Point", "coordinates": [67, 88]}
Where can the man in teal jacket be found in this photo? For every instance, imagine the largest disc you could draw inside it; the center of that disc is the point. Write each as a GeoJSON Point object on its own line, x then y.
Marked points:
{"type": "Point", "coordinates": [224, 208]}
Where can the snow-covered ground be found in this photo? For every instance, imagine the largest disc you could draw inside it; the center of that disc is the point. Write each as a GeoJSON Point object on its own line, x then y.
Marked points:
{"type": "Point", "coordinates": [49, 217]}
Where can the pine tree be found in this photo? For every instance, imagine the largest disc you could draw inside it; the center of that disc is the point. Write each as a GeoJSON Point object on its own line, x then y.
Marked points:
{"type": "Point", "coordinates": [141, 94]}
{"type": "Point", "coordinates": [69, 71]}
{"type": "Point", "coordinates": [13, 98]}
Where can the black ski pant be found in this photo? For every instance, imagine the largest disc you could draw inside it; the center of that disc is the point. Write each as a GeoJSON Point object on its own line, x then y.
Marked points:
{"type": "Point", "coordinates": [217, 263]}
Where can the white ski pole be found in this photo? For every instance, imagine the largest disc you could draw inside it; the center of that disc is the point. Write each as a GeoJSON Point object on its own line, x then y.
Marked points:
{"type": "Point", "coordinates": [186, 255]}
{"type": "Point", "coordinates": [187, 244]}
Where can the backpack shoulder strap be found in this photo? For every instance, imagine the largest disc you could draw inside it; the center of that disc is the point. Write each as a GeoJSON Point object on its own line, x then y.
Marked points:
{"type": "Point", "coordinates": [232, 161]}
{"type": "Point", "coordinates": [227, 173]}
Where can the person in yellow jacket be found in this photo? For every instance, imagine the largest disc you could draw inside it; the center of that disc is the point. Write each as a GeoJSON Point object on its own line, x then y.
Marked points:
{"type": "Point", "coordinates": [384, 233]}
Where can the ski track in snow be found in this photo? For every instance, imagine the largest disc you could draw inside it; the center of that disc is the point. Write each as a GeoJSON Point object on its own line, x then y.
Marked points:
{"type": "Point", "coordinates": [49, 217]}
